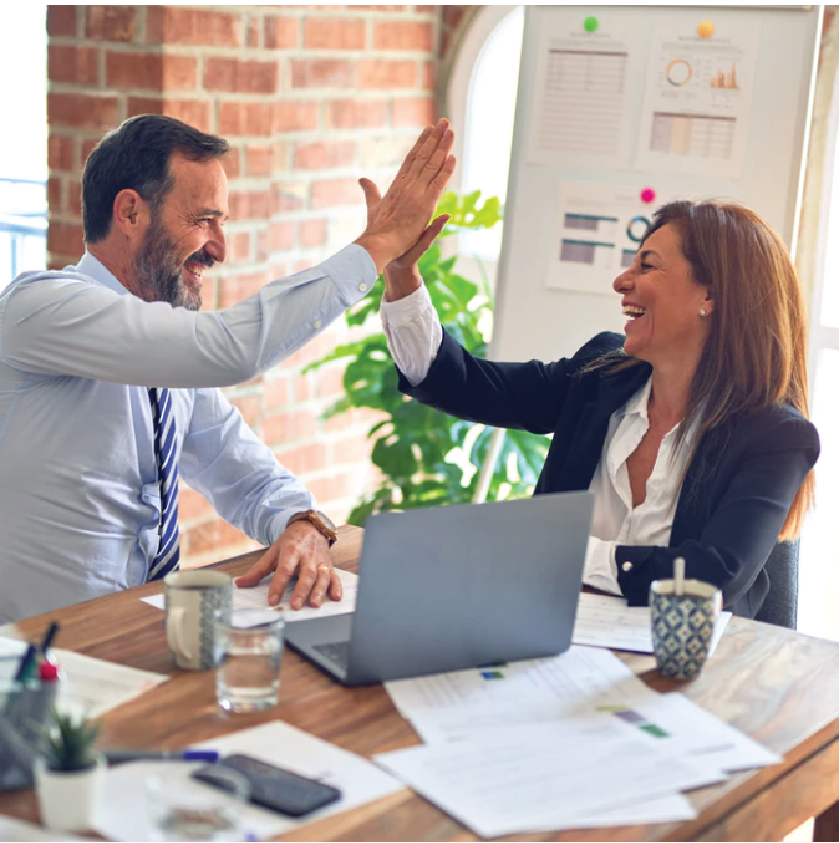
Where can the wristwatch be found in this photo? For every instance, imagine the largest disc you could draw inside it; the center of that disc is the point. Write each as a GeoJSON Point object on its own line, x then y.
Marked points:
{"type": "Point", "coordinates": [319, 521]}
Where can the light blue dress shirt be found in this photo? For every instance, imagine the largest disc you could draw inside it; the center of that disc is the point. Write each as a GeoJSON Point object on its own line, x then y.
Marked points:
{"type": "Point", "coordinates": [79, 493]}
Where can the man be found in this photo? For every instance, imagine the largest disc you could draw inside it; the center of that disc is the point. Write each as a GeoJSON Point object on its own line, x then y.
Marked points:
{"type": "Point", "coordinates": [109, 376]}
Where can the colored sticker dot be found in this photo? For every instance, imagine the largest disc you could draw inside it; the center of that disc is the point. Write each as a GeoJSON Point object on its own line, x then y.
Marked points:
{"type": "Point", "coordinates": [647, 195]}
{"type": "Point", "coordinates": [705, 29]}
{"type": "Point", "coordinates": [591, 23]}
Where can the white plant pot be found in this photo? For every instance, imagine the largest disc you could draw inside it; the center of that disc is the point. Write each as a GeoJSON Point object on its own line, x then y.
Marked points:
{"type": "Point", "coordinates": [69, 801]}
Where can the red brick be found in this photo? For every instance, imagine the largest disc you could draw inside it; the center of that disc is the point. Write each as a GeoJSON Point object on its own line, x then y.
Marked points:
{"type": "Point", "coordinates": [238, 118]}
{"type": "Point", "coordinates": [250, 205]}
{"type": "Point", "coordinates": [351, 449]}
{"type": "Point", "coordinates": [331, 381]}
{"type": "Point", "coordinates": [262, 246]}
{"type": "Point", "coordinates": [87, 147]}
{"type": "Point", "coordinates": [193, 505]}
{"type": "Point", "coordinates": [231, 164]}
{"type": "Point", "coordinates": [280, 32]}
{"type": "Point", "coordinates": [287, 197]}
{"type": "Point", "coordinates": [324, 156]}
{"type": "Point", "coordinates": [413, 112]}
{"type": "Point", "coordinates": [313, 233]}
{"type": "Point", "coordinates": [65, 238]}
{"type": "Point", "coordinates": [144, 105]}
{"type": "Point", "coordinates": [291, 116]}
{"type": "Point", "coordinates": [403, 35]}
{"type": "Point", "coordinates": [331, 193]}
{"type": "Point", "coordinates": [193, 112]}
{"type": "Point", "coordinates": [54, 194]}
{"type": "Point", "coordinates": [62, 20]}
{"type": "Point", "coordinates": [301, 266]}
{"type": "Point", "coordinates": [235, 76]}
{"type": "Point", "coordinates": [277, 391]}
{"type": "Point", "coordinates": [60, 153]}
{"type": "Point", "coordinates": [305, 459]}
{"type": "Point", "coordinates": [288, 427]}
{"type": "Point", "coordinates": [213, 535]}
{"type": "Point", "coordinates": [380, 74]}
{"type": "Point", "coordinates": [353, 418]}
{"type": "Point", "coordinates": [180, 73]}
{"type": "Point", "coordinates": [258, 160]}
{"type": "Point", "coordinates": [354, 7]}
{"type": "Point", "coordinates": [333, 34]}
{"type": "Point", "coordinates": [356, 114]}
{"type": "Point", "coordinates": [74, 65]}
{"type": "Point", "coordinates": [198, 27]}
{"type": "Point", "coordinates": [282, 236]}
{"type": "Point", "coordinates": [142, 71]}
{"type": "Point", "coordinates": [332, 488]}
{"type": "Point", "coordinates": [250, 406]}
{"type": "Point", "coordinates": [322, 73]}
{"type": "Point", "coordinates": [155, 16]}
{"type": "Point", "coordinates": [82, 111]}
{"type": "Point", "coordinates": [235, 288]}
{"type": "Point", "coordinates": [252, 37]}
{"type": "Point", "coordinates": [239, 247]}
{"type": "Point", "coordinates": [111, 23]}
{"type": "Point", "coordinates": [429, 76]}
{"type": "Point", "coordinates": [73, 198]}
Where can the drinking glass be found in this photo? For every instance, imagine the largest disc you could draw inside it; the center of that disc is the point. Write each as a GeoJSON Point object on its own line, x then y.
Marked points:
{"type": "Point", "coordinates": [250, 649]}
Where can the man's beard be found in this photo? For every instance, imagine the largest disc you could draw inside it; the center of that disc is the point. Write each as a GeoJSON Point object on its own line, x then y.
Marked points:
{"type": "Point", "coordinates": [159, 273]}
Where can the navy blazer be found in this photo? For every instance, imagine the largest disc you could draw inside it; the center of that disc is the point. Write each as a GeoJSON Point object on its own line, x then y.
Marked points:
{"type": "Point", "coordinates": [736, 493]}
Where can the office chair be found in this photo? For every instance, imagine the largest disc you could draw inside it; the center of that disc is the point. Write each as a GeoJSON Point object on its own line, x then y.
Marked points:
{"type": "Point", "coordinates": [782, 567]}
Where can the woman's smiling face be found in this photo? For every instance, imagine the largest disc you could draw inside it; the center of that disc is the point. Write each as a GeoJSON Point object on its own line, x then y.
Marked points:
{"type": "Point", "coordinates": [664, 302]}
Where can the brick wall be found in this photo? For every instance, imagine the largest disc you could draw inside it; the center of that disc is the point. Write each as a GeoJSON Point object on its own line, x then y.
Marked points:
{"type": "Point", "coordinates": [310, 98]}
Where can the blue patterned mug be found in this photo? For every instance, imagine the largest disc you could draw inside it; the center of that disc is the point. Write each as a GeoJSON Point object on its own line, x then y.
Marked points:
{"type": "Point", "coordinates": [682, 625]}
{"type": "Point", "coordinates": [191, 600]}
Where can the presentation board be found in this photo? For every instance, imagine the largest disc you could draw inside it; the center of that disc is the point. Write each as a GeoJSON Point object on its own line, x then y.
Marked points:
{"type": "Point", "coordinates": [621, 109]}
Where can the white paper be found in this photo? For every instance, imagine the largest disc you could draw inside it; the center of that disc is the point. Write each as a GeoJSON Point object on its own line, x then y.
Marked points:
{"type": "Point", "coordinates": [694, 732]}
{"type": "Point", "coordinates": [124, 815]}
{"type": "Point", "coordinates": [446, 706]}
{"type": "Point", "coordinates": [604, 621]}
{"type": "Point", "coordinates": [599, 229]}
{"type": "Point", "coordinates": [579, 114]}
{"type": "Point", "coordinates": [697, 98]}
{"type": "Point", "coordinates": [18, 830]}
{"type": "Point", "coordinates": [541, 777]}
{"type": "Point", "coordinates": [257, 598]}
{"type": "Point", "coordinates": [92, 686]}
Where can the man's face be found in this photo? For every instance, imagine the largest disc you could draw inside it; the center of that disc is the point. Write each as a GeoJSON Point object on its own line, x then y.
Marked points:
{"type": "Point", "coordinates": [185, 234]}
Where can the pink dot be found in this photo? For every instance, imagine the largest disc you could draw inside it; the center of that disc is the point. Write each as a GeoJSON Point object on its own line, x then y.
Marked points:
{"type": "Point", "coordinates": [648, 195]}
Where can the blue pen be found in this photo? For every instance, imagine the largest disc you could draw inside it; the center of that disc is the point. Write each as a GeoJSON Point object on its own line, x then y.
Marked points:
{"type": "Point", "coordinates": [119, 756]}
{"type": "Point", "coordinates": [26, 664]}
{"type": "Point", "coordinates": [48, 639]}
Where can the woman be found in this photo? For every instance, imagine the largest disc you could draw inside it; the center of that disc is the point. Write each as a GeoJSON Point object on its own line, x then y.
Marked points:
{"type": "Point", "coordinates": [691, 430]}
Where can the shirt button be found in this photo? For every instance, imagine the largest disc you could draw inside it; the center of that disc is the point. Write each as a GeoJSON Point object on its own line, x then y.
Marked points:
{"type": "Point", "coordinates": [316, 324]}
{"type": "Point", "coordinates": [627, 566]}
{"type": "Point", "coordinates": [363, 287]}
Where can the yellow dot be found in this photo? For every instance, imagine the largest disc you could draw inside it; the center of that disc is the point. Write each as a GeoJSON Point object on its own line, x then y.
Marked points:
{"type": "Point", "coordinates": [705, 29]}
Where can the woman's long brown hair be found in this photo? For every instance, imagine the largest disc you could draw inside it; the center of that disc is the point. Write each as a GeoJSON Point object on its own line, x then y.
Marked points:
{"type": "Point", "coordinates": [755, 353]}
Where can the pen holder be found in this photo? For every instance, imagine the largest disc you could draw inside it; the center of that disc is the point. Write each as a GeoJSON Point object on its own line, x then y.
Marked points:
{"type": "Point", "coordinates": [24, 713]}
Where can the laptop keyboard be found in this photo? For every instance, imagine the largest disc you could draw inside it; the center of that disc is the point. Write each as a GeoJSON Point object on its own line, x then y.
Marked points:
{"type": "Point", "coordinates": [337, 652]}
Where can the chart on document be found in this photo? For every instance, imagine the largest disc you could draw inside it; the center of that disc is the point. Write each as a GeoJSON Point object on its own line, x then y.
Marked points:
{"type": "Point", "coordinates": [697, 100]}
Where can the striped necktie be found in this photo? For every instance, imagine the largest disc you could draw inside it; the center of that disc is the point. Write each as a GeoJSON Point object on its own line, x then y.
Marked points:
{"type": "Point", "coordinates": [163, 419]}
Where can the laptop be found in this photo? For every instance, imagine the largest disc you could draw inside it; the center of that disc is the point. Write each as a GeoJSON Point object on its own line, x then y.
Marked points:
{"type": "Point", "coordinates": [454, 587]}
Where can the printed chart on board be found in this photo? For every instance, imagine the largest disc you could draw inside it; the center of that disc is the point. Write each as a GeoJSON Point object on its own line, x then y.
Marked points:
{"type": "Point", "coordinates": [697, 98]}
{"type": "Point", "coordinates": [599, 228]}
{"type": "Point", "coordinates": [579, 113]}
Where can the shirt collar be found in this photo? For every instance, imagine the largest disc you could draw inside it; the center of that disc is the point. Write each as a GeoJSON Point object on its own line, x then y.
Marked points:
{"type": "Point", "coordinates": [637, 404]}
{"type": "Point", "coordinates": [91, 266]}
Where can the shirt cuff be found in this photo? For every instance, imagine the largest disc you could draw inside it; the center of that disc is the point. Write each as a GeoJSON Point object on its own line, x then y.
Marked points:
{"type": "Point", "coordinates": [600, 570]}
{"type": "Point", "coordinates": [353, 272]}
{"type": "Point", "coordinates": [396, 314]}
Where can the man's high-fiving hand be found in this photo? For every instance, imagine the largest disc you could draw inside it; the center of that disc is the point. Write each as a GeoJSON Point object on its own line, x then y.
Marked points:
{"type": "Point", "coordinates": [397, 220]}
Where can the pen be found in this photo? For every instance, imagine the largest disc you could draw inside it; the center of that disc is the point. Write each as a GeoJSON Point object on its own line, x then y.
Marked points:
{"type": "Point", "coordinates": [119, 756]}
{"type": "Point", "coordinates": [25, 665]}
{"type": "Point", "coordinates": [49, 637]}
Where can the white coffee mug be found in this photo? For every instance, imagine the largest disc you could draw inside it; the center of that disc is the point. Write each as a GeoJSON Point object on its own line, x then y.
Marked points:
{"type": "Point", "coordinates": [192, 602]}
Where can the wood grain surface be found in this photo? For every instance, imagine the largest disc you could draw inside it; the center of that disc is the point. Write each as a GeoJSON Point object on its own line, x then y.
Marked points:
{"type": "Point", "coordinates": [776, 685]}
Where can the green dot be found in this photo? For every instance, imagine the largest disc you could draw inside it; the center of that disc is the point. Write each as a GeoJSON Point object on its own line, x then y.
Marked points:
{"type": "Point", "coordinates": [590, 24]}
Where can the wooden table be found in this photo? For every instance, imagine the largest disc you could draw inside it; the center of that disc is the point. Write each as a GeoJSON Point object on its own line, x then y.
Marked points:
{"type": "Point", "coordinates": [778, 686]}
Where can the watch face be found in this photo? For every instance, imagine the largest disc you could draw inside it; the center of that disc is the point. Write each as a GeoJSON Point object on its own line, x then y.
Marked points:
{"type": "Point", "coordinates": [328, 523]}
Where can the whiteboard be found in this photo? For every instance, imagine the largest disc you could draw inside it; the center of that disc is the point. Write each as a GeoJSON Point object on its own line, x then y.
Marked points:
{"type": "Point", "coordinates": [572, 155]}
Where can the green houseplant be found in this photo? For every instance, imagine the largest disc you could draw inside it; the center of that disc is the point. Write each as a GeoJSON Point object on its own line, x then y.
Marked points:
{"type": "Point", "coordinates": [69, 774]}
{"type": "Point", "coordinates": [426, 457]}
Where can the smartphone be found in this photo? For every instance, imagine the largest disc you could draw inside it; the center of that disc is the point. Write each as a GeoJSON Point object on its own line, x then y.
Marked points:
{"type": "Point", "coordinates": [271, 786]}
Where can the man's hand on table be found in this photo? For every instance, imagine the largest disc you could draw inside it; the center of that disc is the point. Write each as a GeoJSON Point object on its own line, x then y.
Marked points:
{"type": "Point", "coordinates": [303, 552]}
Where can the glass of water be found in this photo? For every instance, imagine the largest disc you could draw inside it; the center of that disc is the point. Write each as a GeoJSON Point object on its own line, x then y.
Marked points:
{"type": "Point", "coordinates": [182, 809]}
{"type": "Point", "coordinates": [250, 649]}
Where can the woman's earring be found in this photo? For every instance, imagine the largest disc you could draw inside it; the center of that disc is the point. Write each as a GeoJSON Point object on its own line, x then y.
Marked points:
{"type": "Point", "coordinates": [703, 312]}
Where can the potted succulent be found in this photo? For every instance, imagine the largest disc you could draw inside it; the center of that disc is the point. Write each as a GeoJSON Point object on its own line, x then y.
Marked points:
{"type": "Point", "coordinates": [69, 774]}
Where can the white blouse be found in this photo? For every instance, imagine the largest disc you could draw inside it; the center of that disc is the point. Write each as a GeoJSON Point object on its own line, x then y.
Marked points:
{"type": "Point", "coordinates": [414, 335]}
